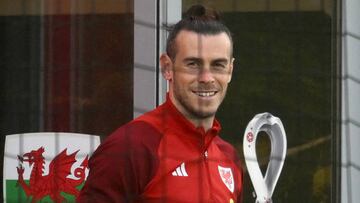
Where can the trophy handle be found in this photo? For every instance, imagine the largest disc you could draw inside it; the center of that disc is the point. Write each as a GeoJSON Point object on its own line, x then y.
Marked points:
{"type": "Point", "coordinates": [264, 187]}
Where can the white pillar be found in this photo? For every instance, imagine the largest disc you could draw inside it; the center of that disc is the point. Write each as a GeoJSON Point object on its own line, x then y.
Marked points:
{"type": "Point", "coordinates": [350, 170]}
{"type": "Point", "coordinates": [149, 43]}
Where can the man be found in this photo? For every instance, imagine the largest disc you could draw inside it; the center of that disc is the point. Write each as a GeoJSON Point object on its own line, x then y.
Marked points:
{"type": "Point", "coordinates": [174, 153]}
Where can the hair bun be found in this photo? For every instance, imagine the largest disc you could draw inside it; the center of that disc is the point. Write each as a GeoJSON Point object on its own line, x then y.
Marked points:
{"type": "Point", "coordinates": [200, 12]}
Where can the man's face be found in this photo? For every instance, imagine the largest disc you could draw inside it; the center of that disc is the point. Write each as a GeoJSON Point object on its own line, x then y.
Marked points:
{"type": "Point", "coordinates": [200, 73]}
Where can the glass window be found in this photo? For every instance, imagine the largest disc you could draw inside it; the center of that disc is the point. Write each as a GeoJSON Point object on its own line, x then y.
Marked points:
{"type": "Point", "coordinates": [66, 66]}
{"type": "Point", "coordinates": [283, 65]}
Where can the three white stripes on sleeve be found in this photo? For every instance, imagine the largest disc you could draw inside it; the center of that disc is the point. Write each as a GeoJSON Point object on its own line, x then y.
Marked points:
{"type": "Point", "coordinates": [180, 171]}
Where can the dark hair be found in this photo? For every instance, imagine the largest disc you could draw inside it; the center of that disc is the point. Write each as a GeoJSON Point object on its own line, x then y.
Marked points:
{"type": "Point", "coordinates": [198, 19]}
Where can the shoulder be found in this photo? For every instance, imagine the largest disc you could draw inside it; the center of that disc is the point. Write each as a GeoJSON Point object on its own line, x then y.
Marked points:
{"type": "Point", "coordinates": [133, 146]}
{"type": "Point", "coordinates": [132, 136]}
{"type": "Point", "coordinates": [228, 150]}
{"type": "Point", "coordinates": [123, 164]}
{"type": "Point", "coordinates": [224, 145]}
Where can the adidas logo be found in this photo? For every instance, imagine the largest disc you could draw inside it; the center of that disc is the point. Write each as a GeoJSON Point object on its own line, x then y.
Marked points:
{"type": "Point", "coordinates": [180, 171]}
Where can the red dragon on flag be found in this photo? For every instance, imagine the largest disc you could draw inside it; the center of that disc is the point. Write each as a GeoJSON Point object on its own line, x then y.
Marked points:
{"type": "Point", "coordinates": [56, 181]}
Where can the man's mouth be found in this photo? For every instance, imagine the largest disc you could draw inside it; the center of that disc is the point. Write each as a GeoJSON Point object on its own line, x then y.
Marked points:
{"type": "Point", "coordinates": [205, 93]}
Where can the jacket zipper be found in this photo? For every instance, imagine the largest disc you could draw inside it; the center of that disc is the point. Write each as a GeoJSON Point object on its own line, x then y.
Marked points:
{"type": "Point", "coordinates": [207, 170]}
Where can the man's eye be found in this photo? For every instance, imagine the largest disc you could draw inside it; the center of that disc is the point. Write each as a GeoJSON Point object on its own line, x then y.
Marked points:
{"type": "Point", "coordinates": [220, 65]}
{"type": "Point", "coordinates": [193, 65]}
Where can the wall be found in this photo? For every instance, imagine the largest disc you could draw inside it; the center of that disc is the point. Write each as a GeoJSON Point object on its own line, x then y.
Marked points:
{"type": "Point", "coordinates": [350, 101]}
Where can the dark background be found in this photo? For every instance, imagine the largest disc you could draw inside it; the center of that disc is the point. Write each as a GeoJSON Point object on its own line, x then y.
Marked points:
{"type": "Point", "coordinates": [283, 66]}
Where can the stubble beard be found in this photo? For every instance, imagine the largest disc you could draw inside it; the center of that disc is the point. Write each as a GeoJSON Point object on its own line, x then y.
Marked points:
{"type": "Point", "coordinates": [199, 113]}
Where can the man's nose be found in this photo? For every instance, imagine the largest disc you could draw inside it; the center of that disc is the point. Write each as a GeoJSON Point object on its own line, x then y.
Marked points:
{"type": "Point", "coordinates": [206, 76]}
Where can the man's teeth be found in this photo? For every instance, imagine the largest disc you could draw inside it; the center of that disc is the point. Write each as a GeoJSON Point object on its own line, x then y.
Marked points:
{"type": "Point", "coordinates": [205, 94]}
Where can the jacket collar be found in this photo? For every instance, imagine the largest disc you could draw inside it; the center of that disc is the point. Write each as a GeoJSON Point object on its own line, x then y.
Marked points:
{"type": "Point", "coordinates": [181, 124]}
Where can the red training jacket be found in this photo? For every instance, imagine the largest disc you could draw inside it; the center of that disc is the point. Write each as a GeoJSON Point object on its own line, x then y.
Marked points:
{"type": "Point", "coordinates": [162, 157]}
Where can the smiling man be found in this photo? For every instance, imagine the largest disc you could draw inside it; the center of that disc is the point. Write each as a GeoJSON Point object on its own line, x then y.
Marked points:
{"type": "Point", "coordinates": [198, 74]}
{"type": "Point", "coordinates": [174, 153]}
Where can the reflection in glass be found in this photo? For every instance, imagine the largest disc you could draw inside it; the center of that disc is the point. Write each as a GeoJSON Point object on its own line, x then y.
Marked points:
{"type": "Point", "coordinates": [65, 66]}
{"type": "Point", "coordinates": [283, 66]}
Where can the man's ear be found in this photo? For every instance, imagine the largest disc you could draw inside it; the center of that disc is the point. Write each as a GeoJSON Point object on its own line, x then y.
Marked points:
{"type": "Point", "coordinates": [166, 66]}
{"type": "Point", "coordinates": [231, 69]}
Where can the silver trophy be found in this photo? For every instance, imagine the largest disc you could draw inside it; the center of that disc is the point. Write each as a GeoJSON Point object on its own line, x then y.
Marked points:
{"type": "Point", "coordinates": [264, 186]}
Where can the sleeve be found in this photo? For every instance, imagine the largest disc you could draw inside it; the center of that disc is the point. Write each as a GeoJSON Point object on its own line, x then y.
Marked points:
{"type": "Point", "coordinates": [122, 166]}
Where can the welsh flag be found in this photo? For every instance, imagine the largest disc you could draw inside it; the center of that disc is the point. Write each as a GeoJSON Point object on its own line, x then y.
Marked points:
{"type": "Point", "coordinates": [46, 167]}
